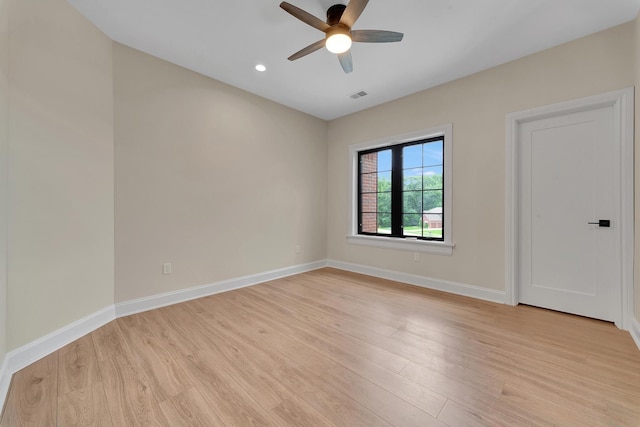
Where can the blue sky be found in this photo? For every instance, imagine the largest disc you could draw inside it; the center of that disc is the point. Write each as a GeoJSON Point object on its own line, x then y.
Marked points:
{"type": "Point", "coordinates": [419, 159]}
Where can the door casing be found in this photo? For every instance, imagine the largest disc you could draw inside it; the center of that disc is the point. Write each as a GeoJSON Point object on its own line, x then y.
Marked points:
{"type": "Point", "coordinates": [623, 110]}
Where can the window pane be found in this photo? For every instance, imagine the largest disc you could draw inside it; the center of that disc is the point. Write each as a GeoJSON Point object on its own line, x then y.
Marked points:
{"type": "Point", "coordinates": [369, 182]}
{"type": "Point", "coordinates": [412, 202]}
{"type": "Point", "coordinates": [432, 153]}
{"type": "Point", "coordinates": [412, 156]}
{"type": "Point", "coordinates": [432, 178]}
{"type": "Point", "coordinates": [384, 181]}
{"type": "Point", "coordinates": [384, 202]}
{"type": "Point", "coordinates": [369, 202]}
{"type": "Point", "coordinates": [412, 224]}
{"type": "Point", "coordinates": [432, 220]}
{"type": "Point", "coordinates": [369, 223]}
{"type": "Point", "coordinates": [432, 199]}
{"type": "Point", "coordinates": [384, 160]}
{"type": "Point", "coordinates": [412, 179]}
{"type": "Point", "coordinates": [369, 162]}
{"type": "Point", "coordinates": [384, 223]}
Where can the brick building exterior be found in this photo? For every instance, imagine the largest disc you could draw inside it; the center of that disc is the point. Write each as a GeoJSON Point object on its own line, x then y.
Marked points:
{"type": "Point", "coordinates": [369, 192]}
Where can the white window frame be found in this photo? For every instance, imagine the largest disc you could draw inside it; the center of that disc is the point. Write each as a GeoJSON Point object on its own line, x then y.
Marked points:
{"type": "Point", "coordinates": [404, 244]}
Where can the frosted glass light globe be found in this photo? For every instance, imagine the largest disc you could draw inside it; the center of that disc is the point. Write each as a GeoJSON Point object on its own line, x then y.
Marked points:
{"type": "Point", "coordinates": [338, 41]}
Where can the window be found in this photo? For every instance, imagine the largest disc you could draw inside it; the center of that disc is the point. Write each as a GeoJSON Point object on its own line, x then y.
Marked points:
{"type": "Point", "coordinates": [401, 195]}
{"type": "Point", "coordinates": [400, 190]}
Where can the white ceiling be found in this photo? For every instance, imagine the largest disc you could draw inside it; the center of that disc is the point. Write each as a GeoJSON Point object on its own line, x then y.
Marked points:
{"type": "Point", "coordinates": [443, 40]}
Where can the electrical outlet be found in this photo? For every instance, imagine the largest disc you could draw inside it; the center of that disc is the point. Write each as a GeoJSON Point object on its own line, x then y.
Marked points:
{"type": "Point", "coordinates": [297, 249]}
{"type": "Point", "coordinates": [166, 268]}
{"type": "Point", "coordinates": [416, 256]}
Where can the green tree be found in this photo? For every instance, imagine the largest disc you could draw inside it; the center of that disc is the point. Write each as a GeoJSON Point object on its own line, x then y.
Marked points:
{"type": "Point", "coordinates": [412, 201]}
{"type": "Point", "coordinates": [432, 196]}
{"type": "Point", "coordinates": [384, 202]}
{"type": "Point", "coordinates": [421, 193]}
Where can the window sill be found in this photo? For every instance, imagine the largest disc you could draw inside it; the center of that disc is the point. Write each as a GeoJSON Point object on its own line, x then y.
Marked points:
{"type": "Point", "coordinates": [410, 245]}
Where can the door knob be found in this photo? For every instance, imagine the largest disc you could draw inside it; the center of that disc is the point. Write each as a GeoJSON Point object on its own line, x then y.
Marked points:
{"type": "Point", "coordinates": [602, 223]}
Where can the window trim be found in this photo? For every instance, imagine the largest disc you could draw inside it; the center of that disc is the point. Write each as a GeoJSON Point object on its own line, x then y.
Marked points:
{"type": "Point", "coordinates": [403, 243]}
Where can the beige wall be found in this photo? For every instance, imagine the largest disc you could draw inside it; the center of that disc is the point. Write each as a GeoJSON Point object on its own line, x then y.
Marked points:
{"type": "Point", "coordinates": [219, 182]}
{"type": "Point", "coordinates": [636, 54]}
{"type": "Point", "coordinates": [476, 106]}
{"type": "Point", "coordinates": [4, 136]}
{"type": "Point", "coordinates": [61, 169]}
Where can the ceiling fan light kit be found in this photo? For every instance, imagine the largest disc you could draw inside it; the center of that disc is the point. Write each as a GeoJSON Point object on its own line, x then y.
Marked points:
{"type": "Point", "coordinates": [338, 33]}
{"type": "Point", "coordinates": [338, 40]}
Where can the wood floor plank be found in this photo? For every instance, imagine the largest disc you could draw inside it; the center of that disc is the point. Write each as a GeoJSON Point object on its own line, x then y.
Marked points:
{"type": "Point", "coordinates": [165, 373]}
{"type": "Point", "coordinates": [344, 303]}
{"type": "Point", "coordinates": [455, 415]}
{"type": "Point", "coordinates": [331, 348]}
{"type": "Point", "coordinates": [539, 349]}
{"type": "Point", "coordinates": [396, 301]}
{"type": "Point", "coordinates": [216, 351]}
{"type": "Point", "coordinates": [387, 405]}
{"type": "Point", "coordinates": [173, 331]}
{"type": "Point", "coordinates": [190, 409]}
{"type": "Point", "coordinates": [425, 399]}
{"type": "Point", "coordinates": [86, 407]}
{"type": "Point", "coordinates": [481, 404]}
{"type": "Point", "coordinates": [324, 339]}
{"type": "Point", "coordinates": [109, 342]}
{"type": "Point", "coordinates": [551, 410]}
{"type": "Point", "coordinates": [620, 415]}
{"type": "Point", "coordinates": [77, 366]}
{"type": "Point", "coordinates": [409, 347]}
{"type": "Point", "coordinates": [130, 398]}
{"type": "Point", "coordinates": [347, 368]}
{"type": "Point", "coordinates": [33, 398]}
{"type": "Point", "coordinates": [228, 402]}
{"type": "Point", "coordinates": [232, 355]}
{"type": "Point", "coordinates": [339, 408]}
{"type": "Point", "coordinates": [288, 414]}
{"type": "Point", "coordinates": [328, 310]}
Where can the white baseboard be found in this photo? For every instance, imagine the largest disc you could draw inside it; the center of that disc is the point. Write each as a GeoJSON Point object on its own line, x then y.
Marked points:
{"type": "Point", "coordinates": [161, 300]}
{"type": "Point", "coordinates": [448, 286]}
{"type": "Point", "coordinates": [422, 281]}
{"type": "Point", "coordinates": [5, 381]}
{"type": "Point", "coordinates": [634, 330]}
{"type": "Point", "coordinates": [36, 350]}
{"type": "Point", "coordinates": [29, 353]}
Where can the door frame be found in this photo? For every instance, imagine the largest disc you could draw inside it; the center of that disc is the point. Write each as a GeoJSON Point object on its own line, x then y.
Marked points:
{"type": "Point", "coordinates": [622, 102]}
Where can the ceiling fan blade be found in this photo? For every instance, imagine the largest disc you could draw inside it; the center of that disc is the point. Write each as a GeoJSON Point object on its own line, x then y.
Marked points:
{"type": "Point", "coordinates": [305, 17]}
{"type": "Point", "coordinates": [375, 36]}
{"type": "Point", "coordinates": [346, 61]}
{"type": "Point", "coordinates": [307, 50]}
{"type": "Point", "coordinates": [352, 12]}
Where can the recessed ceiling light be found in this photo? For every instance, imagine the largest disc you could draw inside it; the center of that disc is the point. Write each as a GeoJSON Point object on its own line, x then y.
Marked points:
{"type": "Point", "coordinates": [261, 68]}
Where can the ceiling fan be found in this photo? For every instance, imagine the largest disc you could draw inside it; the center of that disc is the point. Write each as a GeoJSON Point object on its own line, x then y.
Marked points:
{"type": "Point", "coordinates": [338, 33]}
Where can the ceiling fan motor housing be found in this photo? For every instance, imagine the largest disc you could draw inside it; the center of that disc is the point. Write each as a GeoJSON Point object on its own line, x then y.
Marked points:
{"type": "Point", "coordinates": [334, 13]}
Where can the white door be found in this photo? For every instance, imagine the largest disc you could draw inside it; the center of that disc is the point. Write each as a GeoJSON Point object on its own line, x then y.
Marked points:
{"type": "Point", "coordinates": [568, 181]}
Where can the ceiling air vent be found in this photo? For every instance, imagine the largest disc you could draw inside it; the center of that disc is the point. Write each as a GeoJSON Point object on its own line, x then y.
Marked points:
{"type": "Point", "coordinates": [358, 95]}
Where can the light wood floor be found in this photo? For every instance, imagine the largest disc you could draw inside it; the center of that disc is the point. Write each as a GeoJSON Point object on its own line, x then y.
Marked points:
{"type": "Point", "coordinates": [333, 348]}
